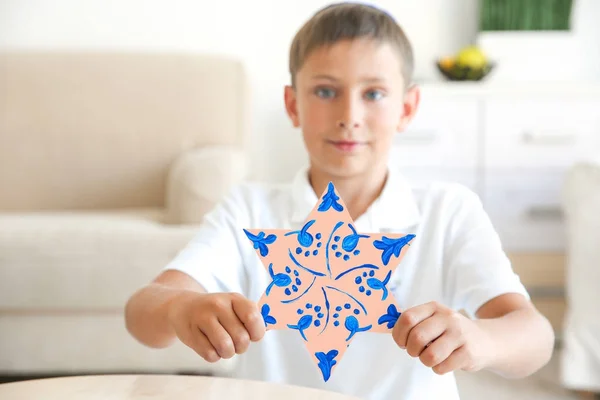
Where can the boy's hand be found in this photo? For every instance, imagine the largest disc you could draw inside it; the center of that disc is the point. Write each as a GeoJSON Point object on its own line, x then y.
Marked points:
{"type": "Point", "coordinates": [442, 338]}
{"type": "Point", "coordinates": [216, 325]}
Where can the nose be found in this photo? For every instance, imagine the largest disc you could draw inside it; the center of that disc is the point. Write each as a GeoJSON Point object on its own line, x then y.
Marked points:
{"type": "Point", "coordinates": [349, 114]}
{"type": "Point", "coordinates": [348, 124]}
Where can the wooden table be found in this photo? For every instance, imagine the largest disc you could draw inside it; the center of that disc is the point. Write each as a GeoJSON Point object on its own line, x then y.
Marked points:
{"type": "Point", "coordinates": [172, 387]}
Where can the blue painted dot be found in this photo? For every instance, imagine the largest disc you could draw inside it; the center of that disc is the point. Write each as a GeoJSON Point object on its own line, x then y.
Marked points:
{"type": "Point", "coordinates": [356, 252]}
{"type": "Point", "coordinates": [365, 274]}
{"type": "Point", "coordinates": [336, 323]}
{"type": "Point", "coordinates": [300, 311]}
{"type": "Point", "coordinates": [318, 236]}
{"type": "Point", "coordinates": [372, 273]}
{"type": "Point", "coordinates": [338, 254]}
{"type": "Point", "coordinates": [296, 273]}
{"type": "Point", "coordinates": [336, 315]}
{"type": "Point", "coordinates": [298, 281]}
{"type": "Point", "coordinates": [347, 306]}
{"type": "Point", "coordinates": [298, 250]}
{"type": "Point", "coordinates": [334, 247]}
{"type": "Point", "coordinates": [317, 322]}
{"type": "Point", "coordinates": [337, 238]}
{"type": "Point", "coordinates": [308, 305]}
{"type": "Point", "coordinates": [287, 291]}
{"type": "Point", "coordinates": [356, 311]}
{"type": "Point", "coordinates": [294, 288]}
{"type": "Point", "coordinates": [361, 289]}
{"type": "Point", "coordinates": [338, 308]}
{"type": "Point", "coordinates": [307, 253]}
{"type": "Point", "coordinates": [319, 244]}
{"type": "Point", "coordinates": [315, 252]}
{"type": "Point", "coordinates": [288, 270]}
{"type": "Point", "coordinates": [346, 257]}
{"type": "Point", "coordinates": [317, 308]}
{"type": "Point", "coordinates": [358, 280]}
{"type": "Point", "coordinates": [368, 293]}
{"type": "Point", "coordinates": [320, 315]}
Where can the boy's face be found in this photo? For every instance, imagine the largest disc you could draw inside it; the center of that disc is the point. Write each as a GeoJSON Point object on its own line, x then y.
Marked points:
{"type": "Point", "coordinates": [350, 101]}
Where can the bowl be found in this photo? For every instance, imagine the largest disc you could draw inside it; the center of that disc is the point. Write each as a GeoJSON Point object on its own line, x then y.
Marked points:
{"type": "Point", "coordinates": [457, 72]}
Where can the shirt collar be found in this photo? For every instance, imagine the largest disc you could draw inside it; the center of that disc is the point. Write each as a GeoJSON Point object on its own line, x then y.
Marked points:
{"type": "Point", "coordinates": [394, 210]}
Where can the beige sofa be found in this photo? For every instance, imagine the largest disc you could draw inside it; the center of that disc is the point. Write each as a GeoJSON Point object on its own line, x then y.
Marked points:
{"type": "Point", "coordinates": [581, 353]}
{"type": "Point", "coordinates": [107, 163]}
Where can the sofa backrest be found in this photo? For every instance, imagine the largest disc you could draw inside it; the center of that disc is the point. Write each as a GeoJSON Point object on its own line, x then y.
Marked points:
{"type": "Point", "coordinates": [85, 130]}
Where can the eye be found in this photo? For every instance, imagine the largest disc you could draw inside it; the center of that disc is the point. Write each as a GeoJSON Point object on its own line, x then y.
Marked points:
{"type": "Point", "coordinates": [325, 93]}
{"type": "Point", "coordinates": [374, 95]}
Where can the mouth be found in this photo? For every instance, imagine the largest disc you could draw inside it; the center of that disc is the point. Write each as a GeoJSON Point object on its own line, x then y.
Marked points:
{"type": "Point", "coordinates": [346, 145]}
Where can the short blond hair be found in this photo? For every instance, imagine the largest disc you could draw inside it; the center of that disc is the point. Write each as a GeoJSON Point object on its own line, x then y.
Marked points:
{"type": "Point", "coordinates": [350, 21]}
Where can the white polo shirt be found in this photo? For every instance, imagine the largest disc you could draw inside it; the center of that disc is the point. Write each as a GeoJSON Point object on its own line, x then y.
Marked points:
{"type": "Point", "coordinates": [456, 259]}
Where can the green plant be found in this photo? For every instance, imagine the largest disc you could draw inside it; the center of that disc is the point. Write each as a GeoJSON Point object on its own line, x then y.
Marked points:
{"type": "Point", "coordinates": [525, 15]}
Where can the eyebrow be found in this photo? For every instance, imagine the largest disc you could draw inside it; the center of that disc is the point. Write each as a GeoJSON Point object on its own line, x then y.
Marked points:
{"type": "Point", "coordinates": [368, 79]}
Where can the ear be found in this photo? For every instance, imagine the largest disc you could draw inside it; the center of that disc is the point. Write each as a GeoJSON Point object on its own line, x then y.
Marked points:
{"type": "Point", "coordinates": [410, 105]}
{"type": "Point", "coordinates": [291, 105]}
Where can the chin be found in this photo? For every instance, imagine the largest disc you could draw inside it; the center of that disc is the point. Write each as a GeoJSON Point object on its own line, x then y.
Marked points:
{"type": "Point", "coordinates": [343, 168]}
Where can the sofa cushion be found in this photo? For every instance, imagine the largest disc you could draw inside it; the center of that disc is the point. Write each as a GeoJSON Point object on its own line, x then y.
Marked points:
{"type": "Point", "coordinates": [199, 179]}
{"type": "Point", "coordinates": [91, 130]}
{"type": "Point", "coordinates": [90, 343]}
{"type": "Point", "coordinates": [74, 260]}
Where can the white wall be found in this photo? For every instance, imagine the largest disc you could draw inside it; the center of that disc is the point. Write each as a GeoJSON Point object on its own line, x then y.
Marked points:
{"type": "Point", "coordinates": [259, 32]}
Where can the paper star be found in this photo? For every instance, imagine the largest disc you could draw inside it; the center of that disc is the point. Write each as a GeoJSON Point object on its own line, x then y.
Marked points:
{"type": "Point", "coordinates": [328, 281]}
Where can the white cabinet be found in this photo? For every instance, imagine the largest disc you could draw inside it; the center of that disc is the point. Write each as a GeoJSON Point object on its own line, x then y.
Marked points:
{"type": "Point", "coordinates": [511, 145]}
{"type": "Point", "coordinates": [442, 134]}
{"type": "Point", "coordinates": [539, 132]}
{"type": "Point", "coordinates": [524, 206]}
{"type": "Point", "coordinates": [441, 141]}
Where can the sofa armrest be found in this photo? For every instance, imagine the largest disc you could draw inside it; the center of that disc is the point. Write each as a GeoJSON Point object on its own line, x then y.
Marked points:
{"type": "Point", "coordinates": [199, 179]}
{"type": "Point", "coordinates": [582, 188]}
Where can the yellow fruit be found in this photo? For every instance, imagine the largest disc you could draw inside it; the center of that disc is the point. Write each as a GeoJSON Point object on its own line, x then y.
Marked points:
{"type": "Point", "coordinates": [471, 57]}
{"type": "Point", "coordinates": [447, 62]}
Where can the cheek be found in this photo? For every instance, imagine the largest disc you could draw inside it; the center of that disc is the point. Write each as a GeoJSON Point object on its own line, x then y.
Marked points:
{"type": "Point", "coordinates": [383, 119]}
{"type": "Point", "coordinates": [314, 115]}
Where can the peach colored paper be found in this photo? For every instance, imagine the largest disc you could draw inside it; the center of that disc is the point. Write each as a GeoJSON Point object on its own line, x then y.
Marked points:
{"type": "Point", "coordinates": [328, 281]}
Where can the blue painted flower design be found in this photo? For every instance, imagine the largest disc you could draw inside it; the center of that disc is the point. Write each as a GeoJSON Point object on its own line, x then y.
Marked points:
{"type": "Point", "coordinates": [326, 362]}
{"type": "Point", "coordinates": [390, 317]}
{"type": "Point", "coordinates": [376, 284]}
{"type": "Point", "coordinates": [369, 266]}
{"type": "Point", "coordinates": [302, 325]}
{"type": "Point", "coordinates": [260, 241]}
{"type": "Point", "coordinates": [330, 200]}
{"type": "Point", "coordinates": [269, 319]}
{"type": "Point", "coordinates": [304, 237]}
{"type": "Point", "coordinates": [391, 246]}
{"type": "Point", "coordinates": [279, 280]}
{"type": "Point", "coordinates": [352, 326]}
{"type": "Point", "coordinates": [351, 241]}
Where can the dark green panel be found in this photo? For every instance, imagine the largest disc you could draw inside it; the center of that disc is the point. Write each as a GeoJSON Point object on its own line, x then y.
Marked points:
{"type": "Point", "coordinates": [525, 15]}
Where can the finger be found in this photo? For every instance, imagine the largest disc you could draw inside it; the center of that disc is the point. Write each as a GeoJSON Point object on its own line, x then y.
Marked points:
{"type": "Point", "coordinates": [219, 338]}
{"type": "Point", "coordinates": [248, 313]}
{"type": "Point", "coordinates": [452, 363]}
{"type": "Point", "coordinates": [424, 333]}
{"type": "Point", "coordinates": [236, 330]}
{"type": "Point", "coordinates": [439, 350]}
{"type": "Point", "coordinates": [408, 320]}
{"type": "Point", "coordinates": [204, 348]}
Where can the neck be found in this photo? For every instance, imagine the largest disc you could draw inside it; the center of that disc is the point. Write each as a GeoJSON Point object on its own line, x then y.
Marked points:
{"type": "Point", "coordinates": [358, 191]}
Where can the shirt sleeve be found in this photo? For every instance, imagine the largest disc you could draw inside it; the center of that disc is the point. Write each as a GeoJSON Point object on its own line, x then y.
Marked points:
{"type": "Point", "coordinates": [477, 268]}
{"type": "Point", "coordinates": [213, 257]}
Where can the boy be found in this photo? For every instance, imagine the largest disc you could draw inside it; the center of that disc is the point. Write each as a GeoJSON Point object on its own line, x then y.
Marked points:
{"type": "Point", "coordinates": [351, 68]}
